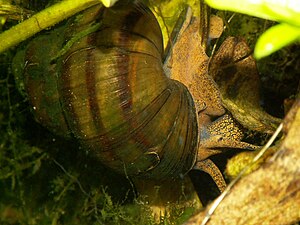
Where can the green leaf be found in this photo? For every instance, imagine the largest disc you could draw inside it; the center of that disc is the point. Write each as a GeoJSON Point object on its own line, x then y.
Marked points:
{"type": "Point", "coordinates": [250, 7]}
{"type": "Point", "coordinates": [287, 11]}
{"type": "Point", "coordinates": [276, 38]}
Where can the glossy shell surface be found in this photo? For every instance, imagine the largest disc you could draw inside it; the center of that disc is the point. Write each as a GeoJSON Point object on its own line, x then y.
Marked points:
{"type": "Point", "coordinates": [104, 77]}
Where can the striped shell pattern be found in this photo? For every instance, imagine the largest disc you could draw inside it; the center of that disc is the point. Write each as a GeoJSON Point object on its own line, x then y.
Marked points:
{"type": "Point", "coordinates": [99, 78]}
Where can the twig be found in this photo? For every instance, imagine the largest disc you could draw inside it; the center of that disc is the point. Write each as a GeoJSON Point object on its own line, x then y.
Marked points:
{"type": "Point", "coordinates": [45, 18]}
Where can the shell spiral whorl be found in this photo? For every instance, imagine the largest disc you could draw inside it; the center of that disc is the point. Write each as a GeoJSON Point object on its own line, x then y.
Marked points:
{"type": "Point", "coordinates": [111, 93]}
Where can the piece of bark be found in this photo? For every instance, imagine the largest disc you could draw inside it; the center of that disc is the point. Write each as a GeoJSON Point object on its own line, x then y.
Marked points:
{"type": "Point", "coordinates": [269, 195]}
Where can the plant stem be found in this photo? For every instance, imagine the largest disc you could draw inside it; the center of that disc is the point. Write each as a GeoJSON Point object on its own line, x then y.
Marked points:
{"type": "Point", "coordinates": [45, 18]}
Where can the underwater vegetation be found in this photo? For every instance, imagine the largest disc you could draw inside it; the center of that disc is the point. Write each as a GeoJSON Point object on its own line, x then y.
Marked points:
{"type": "Point", "coordinates": [47, 179]}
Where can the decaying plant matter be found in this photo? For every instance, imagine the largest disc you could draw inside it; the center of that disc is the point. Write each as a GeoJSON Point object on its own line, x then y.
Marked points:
{"type": "Point", "coordinates": [271, 194]}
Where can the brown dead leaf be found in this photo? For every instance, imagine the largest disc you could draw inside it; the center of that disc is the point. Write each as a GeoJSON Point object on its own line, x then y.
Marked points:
{"type": "Point", "coordinates": [234, 70]}
{"type": "Point", "coordinates": [189, 66]}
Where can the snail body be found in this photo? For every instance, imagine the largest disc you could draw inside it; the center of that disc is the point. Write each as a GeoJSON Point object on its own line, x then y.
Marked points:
{"type": "Point", "coordinates": [100, 78]}
{"type": "Point", "coordinates": [110, 93]}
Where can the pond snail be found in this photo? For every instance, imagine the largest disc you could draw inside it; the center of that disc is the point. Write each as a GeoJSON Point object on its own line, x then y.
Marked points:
{"type": "Point", "coordinates": [100, 78]}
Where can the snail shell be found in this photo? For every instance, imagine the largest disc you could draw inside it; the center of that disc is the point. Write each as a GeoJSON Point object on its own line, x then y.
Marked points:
{"type": "Point", "coordinates": [107, 88]}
